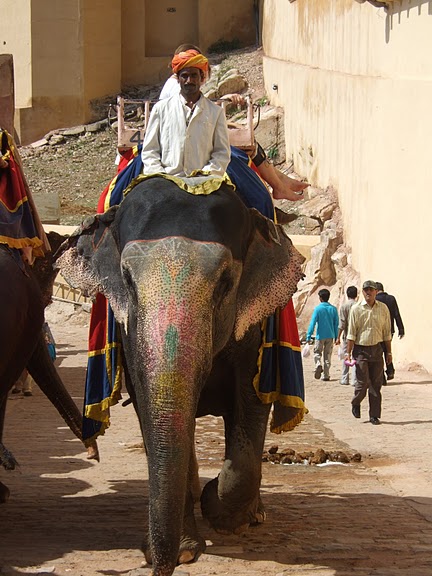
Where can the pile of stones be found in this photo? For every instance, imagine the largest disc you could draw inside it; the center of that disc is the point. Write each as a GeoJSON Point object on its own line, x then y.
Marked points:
{"type": "Point", "coordinates": [320, 456]}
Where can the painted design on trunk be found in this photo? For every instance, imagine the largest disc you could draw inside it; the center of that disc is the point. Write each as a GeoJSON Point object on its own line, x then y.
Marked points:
{"type": "Point", "coordinates": [176, 280]}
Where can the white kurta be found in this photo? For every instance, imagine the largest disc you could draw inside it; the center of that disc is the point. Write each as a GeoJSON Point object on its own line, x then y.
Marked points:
{"type": "Point", "coordinates": [179, 140]}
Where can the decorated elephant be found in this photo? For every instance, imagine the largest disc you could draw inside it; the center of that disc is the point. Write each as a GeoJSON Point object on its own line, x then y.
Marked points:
{"type": "Point", "coordinates": [24, 294]}
{"type": "Point", "coordinates": [189, 278]}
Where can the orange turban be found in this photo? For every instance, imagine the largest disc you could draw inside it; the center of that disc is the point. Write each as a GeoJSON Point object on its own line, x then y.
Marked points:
{"type": "Point", "coordinates": [190, 59]}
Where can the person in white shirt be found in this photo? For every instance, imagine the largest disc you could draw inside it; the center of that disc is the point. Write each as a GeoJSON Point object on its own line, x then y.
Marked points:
{"type": "Point", "coordinates": [283, 187]}
{"type": "Point", "coordinates": [187, 134]}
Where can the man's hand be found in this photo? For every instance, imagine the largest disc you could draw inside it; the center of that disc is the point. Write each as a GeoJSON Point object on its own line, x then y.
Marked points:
{"type": "Point", "coordinates": [401, 335]}
{"type": "Point", "coordinates": [389, 358]}
{"type": "Point", "coordinates": [236, 99]}
{"type": "Point", "coordinates": [337, 341]}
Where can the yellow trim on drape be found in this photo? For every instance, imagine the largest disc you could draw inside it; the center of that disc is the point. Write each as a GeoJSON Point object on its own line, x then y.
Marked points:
{"type": "Point", "coordinates": [203, 189]}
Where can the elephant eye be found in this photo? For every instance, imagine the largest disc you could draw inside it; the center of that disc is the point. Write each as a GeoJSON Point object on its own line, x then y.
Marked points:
{"type": "Point", "coordinates": [223, 287]}
{"type": "Point", "coordinates": [127, 278]}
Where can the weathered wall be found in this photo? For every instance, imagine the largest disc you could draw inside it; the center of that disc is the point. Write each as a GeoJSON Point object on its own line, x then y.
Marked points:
{"type": "Point", "coordinates": [226, 20]}
{"type": "Point", "coordinates": [7, 100]}
{"type": "Point", "coordinates": [101, 41]}
{"type": "Point", "coordinates": [15, 39]}
{"type": "Point", "coordinates": [56, 69]}
{"type": "Point", "coordinates": [70, 52]}
{"type": "Point", "coordinates": [356, 86]}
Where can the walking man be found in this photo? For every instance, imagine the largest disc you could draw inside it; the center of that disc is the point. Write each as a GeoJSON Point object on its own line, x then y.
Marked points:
{"type": "Point", "coordinates": [325, 317]}
{"type": "Point", "coordinates": [343, 330]}
{"type": "Point", "coordinates": [368, 326]}
{"type": "Point", "coordinates": [390, 302]}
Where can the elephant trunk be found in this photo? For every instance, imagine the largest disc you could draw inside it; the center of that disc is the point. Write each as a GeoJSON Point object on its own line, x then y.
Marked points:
{"type": "Point", "coordinates": [175, 368]}
{"type": "Point", "coordinates": [43, 371]}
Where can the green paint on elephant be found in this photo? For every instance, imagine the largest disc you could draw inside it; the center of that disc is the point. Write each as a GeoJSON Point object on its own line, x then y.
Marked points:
{"type": "Point", "coordinates": [171, 343]}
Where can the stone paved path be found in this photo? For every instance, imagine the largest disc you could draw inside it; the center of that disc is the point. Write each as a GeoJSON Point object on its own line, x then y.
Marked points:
{"type": "Point", "coordinates": [68, 516]}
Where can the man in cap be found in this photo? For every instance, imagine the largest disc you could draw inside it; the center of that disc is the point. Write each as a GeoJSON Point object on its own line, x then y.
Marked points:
{"type": "Point", "coordinates": [187, 134]}
{"type": "Point", "coordinates": [369, 325]}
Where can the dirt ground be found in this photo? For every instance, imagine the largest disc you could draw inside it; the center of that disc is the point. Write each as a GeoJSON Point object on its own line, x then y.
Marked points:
{"type": "Point", "coordinates": [69, 516]}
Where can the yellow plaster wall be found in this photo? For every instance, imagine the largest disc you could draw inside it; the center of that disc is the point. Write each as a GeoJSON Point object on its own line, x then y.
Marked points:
{"type": "Point", "coordinates": [355, 83]}
{"type": "Point", "coordinates": [15, 39]}
{"type": "Point", "coordinates": [101, 41]}
{"type": "Point", "coordinates": [69, 52]}
{"type": "Point", "coordinates": [56, 71]}
{"type": "Point", "coordinates": [226, 20]}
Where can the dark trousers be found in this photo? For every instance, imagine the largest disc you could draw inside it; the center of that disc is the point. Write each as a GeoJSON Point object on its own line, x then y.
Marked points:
{"type": "Point", "coordinates": [389, 367]}
{"type": "Point", "coordinates": [370, 376]}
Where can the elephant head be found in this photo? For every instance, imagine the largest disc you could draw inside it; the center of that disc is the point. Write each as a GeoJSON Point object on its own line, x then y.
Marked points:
{"type": "Point", "coordinates": [183, 275]}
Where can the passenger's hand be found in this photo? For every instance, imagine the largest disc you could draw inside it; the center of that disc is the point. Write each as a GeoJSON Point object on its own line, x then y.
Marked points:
{"type": "Point", "coordinates": [236, 99]}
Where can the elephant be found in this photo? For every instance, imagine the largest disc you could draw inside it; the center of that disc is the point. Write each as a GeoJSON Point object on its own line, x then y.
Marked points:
{"type": "Point", "coordinates": [189, 278]}
{"type": "Point", "coordinates": [24, 296]}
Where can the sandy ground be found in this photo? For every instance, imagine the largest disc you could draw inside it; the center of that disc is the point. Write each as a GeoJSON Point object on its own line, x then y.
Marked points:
{"type": "Point", "coordinates": [69, 516]}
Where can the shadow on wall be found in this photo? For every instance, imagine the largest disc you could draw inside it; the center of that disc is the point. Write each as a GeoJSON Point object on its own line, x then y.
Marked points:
{"type": "Point", "coordinates": [404, 8]}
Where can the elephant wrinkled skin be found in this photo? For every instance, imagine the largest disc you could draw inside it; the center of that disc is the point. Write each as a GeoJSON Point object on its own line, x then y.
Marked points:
{"type": "Point", "coordinates": [189, 278]}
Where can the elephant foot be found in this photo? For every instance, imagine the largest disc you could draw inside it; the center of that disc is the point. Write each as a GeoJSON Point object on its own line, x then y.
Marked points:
{"type": "Point", "coordinates": [190, 550]}
{"type": "Point", "coordinates": [230, 519]}
{"type": "Point", "coordinates": [93, 451]}
{"type": "Point", "coordinates": [4, 493]}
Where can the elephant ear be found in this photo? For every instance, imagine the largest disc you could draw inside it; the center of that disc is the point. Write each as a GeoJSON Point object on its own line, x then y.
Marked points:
{"type": "Point", "coordinates": [90, 260]}
{"type": "Point", "coordinates": [271, 272]}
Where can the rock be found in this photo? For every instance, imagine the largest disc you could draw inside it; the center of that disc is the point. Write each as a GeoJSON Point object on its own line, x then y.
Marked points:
{"type": "Point", "coordinates": [273, 449]}
{"type": "Point", "coordinates": [319, 207]}
{"type": "Point", "coordinates": [287, 452]}
{"type": "Point", "coordinates": [96, 126]}
{"type": "Point", "coordinates": [57, 139]}
{"type": "Point", "coordinates": [212, 94]}
{"type": "Point", "coordinates": [269, 132]}
{"type": "Point", "coordinates": [276, 458]}
{"type": "Point", "coordinates": [75, 131]}
{"type": "Point", "coordinates": [319, 457]}
{"type": "Point", "coordinates": [286, 460]}
{"type": "Point", "coordinates": [232, 84]}
{"type": "Point", "coordinates": [39, 143]}
{"type": "Point", "coordinates": [357, 457]}
{"type": "Point", "coordinates": [304, 455]}
{"type": "Point", "coordinates": [339, 258]}
{"type": "Point", "coordinates": [338, 456]}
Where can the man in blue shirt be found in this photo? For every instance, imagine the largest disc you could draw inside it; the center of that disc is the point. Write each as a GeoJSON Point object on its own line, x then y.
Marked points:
{"type": "Point", "coordinates": [326, 319]}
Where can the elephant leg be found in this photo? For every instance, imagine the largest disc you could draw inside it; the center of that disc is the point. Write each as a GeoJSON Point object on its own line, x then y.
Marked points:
{"type": "Point", "coordinates": [194, 481]}
{"type": "Point", "coordinates": [2, 414]}
{"type": "Point", "coordinates": [4, 490]}
{"type": "Point", "coordinates": [231, 502]}
{"type": "Point", "coordinates": [4, 493]}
